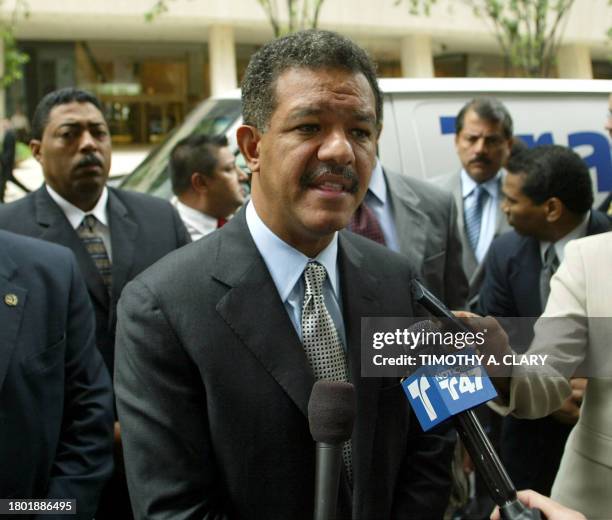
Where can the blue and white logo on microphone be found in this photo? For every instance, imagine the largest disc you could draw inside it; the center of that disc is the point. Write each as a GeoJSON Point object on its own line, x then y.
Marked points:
{"type": "Point", "coordinates": [437, 392]}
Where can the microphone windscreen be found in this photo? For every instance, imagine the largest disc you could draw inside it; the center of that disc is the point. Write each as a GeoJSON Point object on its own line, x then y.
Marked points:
{"type": "Point", "coordinates": [331, 411]}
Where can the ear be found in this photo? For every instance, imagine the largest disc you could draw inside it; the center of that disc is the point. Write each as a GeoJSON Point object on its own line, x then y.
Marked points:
{"type": "Point", "coordinates": [35, 148]}
{"type": "Point", "coordinates": [199, 182]}
{"type": "Point", "coordinates": [554, 209]}
{"type": "Point", "coordinates": [249, 139]}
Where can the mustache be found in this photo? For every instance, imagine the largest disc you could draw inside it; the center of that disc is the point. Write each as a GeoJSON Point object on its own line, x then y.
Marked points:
{"type": "Point", "coordinates": [346, 172]}
{"type": "Point", "coordinates": [89, 160]}
{"type": "Point", "coordinates": [481, 158]}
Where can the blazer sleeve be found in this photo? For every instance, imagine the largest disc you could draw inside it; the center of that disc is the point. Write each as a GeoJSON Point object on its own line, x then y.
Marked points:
{"type": "Point", "coordinates": [84, 458]}
{"type": "Point", "coordinates": [562, 333]}
{"type": "Point", "coordinates": [161, 403]}
{"type": "Point", "coordinates": [455, 280]}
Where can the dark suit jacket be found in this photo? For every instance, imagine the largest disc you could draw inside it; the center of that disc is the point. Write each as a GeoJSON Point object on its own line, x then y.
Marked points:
{"type": "Point", "coordinates": [512, 273]}
{"type": "Point", "coordinates": [56, 414]}
{"type": "Point", "coordinates": [530, 449]}
{"type": "Point", "coordinates": [143, 229]}
{"type": "Point", "coordinates": [426, 224]}
{"type": "Point", "coordinates": [213, 385]}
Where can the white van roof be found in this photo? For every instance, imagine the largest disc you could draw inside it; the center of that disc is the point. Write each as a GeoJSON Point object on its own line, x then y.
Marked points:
{"type": "Point", "coordinates": [480, 85]}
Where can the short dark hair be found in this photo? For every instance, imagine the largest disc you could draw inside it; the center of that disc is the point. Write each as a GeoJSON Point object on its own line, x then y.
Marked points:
{"type": "Point", "coordinates": [489, 109]}
{"type": "Point", "coordinates": [554, 171]}
{"type": "Point", "coordinates": [196, 153]}
{"type": "Point", "coordinates": [62, 96]}
{"type": "Point", "coordinates": [311, 49]}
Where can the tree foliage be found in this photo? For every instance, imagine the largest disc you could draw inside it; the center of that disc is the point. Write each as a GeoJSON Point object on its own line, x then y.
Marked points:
{"type": "Point", "coordinates": [14, 59]}
{"type": "Point", "coordinates": [528, 31]}
{"type": "Point", "coordinates": [288, 17]}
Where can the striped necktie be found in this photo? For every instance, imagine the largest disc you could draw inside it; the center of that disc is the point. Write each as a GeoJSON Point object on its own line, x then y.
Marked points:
{"type": "Point", "coordinates": [321, 342]}
{"type": "Point", "coordinates": [96, 249]}
{"type": "Point", "coordinates": [473, 216]}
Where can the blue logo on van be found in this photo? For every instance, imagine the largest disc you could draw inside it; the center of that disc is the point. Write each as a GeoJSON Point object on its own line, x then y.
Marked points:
{"type": "Point", "coordinates": [600, 158]}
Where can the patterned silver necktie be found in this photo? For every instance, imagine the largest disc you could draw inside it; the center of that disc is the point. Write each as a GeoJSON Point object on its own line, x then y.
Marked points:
{"type": "Point", "coordinates": [321, 341]}
{"type": "Point", "coordinates": [551, 263]}
{"type": "Point", "coordinates": [473, 216]}
{"type": "Point", "coordinates": [96, 249]}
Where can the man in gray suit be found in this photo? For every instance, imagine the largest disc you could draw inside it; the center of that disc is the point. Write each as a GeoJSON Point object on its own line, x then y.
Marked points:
{"type": "Point", "coordinates": [420, 221]}
{"type": "Point", "coordinates": [483, 139]}
{"type": "Point", "coordinates": [220, 343]}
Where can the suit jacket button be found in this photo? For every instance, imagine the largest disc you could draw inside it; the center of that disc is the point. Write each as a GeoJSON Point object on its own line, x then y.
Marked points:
{"type": "Point", "coordinates": [11, 300]}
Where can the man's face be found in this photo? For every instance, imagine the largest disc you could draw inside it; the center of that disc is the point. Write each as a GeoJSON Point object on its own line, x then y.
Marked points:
{"type": "Point", "coordinates": [225, 190]}
{"type": "Point", "coordinates": [524, 215]}
{"type": "Point", "coordinates": [312, 166]}
{"type": "Point", "coordinates": [609, 119]}
{"type": "Point", "coordinates": [482, 147]}
{"type": "Point", "coordinates": [75, 152]}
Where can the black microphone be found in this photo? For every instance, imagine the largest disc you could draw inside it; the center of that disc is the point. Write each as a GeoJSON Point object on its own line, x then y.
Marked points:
{"type": "Point", "coordinates": [487, 462]}
{"type": "Point", "coordinates": [331, 414]}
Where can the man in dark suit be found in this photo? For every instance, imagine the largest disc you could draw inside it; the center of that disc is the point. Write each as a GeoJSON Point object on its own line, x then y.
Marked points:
{"type": "Point", "coordinates": [222, 334]}
{"type": "Point", "coordinates": [114, 234]}
{"type": "Point", "coordinates": [56, 404]}
{"type": "Point", "coordinates": [548, 196]}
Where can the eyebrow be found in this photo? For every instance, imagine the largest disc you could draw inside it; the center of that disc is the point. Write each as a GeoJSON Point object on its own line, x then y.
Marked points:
{"type": "Point", "coordinates": [76, 124]}
{"type": "Point", "coordinates": [360, 115]}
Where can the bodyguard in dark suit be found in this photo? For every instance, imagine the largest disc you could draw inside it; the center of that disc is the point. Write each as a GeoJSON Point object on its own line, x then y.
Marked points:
{"type": "Point", "coordinates": [548, 196]}
{"type": "Point", "coordinates": [114, 234]}
{"type": "Point", "coordinates": [221, 333]}
{"type": "Point", "coordinates": [56, 405]}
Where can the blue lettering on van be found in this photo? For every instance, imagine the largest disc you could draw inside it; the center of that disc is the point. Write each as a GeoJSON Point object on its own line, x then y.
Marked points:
{"type": "Point", "coordinates": [600, 158]}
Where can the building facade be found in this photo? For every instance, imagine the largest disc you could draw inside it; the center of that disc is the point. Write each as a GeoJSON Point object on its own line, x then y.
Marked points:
{"type": "Point", "coordinates": [150, 73]}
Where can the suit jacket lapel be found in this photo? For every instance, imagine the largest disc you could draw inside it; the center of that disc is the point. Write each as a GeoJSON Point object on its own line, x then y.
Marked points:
{"type": "Point", "coordinates": [10, 316]}
{"type": "Point", "coordinates": [272, 338]}
{"type": "Point", "coordinates": [56, 228]}
{"type": "Point", "coordinates": [405, 204]}
{"type": "Point", "coordinates": [123, 231]}
{"type": "Point", "coordinates": [359, 298]}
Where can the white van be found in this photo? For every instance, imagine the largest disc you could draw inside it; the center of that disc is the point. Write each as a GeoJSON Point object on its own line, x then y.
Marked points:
{"type": "Point", "coordinates": [419, 124]}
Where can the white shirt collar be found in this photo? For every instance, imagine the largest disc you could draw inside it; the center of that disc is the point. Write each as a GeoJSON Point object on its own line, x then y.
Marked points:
{"type": "Point", "coordinates": [378, 187]}
{"type": "Point", "coordinates": [202, 223]}
{"type": "Point", "coordinates": [579, 231]}
{"type": "Point", "coordinates": [75, 215]}
{"type": "Point", "coordinates": [468, 184]}
{"type": "Point", "coordinates": [285, 263]}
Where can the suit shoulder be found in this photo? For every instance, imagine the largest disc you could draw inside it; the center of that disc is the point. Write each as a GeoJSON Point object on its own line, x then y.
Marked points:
{"type": "Point", "coordinates": [595, 245]}
{"type": "Point", "coordinates": [9, 211]}
{"type": "Point", "coordinates": [377, 254]}
{"type": "Point", "coordinates": [135, 200]}
{"type": "Point", "coordinates": [507, 244]}
{"type": "Point", "coordinates": [429, 192]}
{"type": "Point", "coordinates": [27, 251]}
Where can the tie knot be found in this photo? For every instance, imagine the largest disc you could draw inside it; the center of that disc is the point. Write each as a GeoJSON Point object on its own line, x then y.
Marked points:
{"type": "Point", "coordinates": [481, 193]}
{"type": "Point", "coordinates": [314, 276]}
{"type": "Point", "coordinates": [89, 222]}
{"type": "Point", "coordinates": [550, 257]}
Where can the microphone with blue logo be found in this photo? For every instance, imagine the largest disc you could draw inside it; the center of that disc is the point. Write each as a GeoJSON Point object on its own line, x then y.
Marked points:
{"type": "Point", "coordinates": [437, 392]}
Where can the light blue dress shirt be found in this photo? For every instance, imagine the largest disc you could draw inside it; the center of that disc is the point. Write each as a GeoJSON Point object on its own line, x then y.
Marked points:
{"type": "Point", "coordinates": [488, 224]}
{"type": "Point", "coordinates": [286, 266]}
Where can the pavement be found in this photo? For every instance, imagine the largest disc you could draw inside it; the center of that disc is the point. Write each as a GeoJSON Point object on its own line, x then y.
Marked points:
{"type": "Point", "coordinates": [124, 160]}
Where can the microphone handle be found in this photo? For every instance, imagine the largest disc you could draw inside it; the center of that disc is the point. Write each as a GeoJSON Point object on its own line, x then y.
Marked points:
{"type": "Point", "coordinates": [490, 468]}
{"type": "Point", "coordinates": [327, 481]}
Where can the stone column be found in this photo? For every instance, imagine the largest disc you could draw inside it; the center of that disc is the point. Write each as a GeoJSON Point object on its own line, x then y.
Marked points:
{"type": "Point", "coordinates": [417, 57]}
{"type": "Point", "coordinates": [222, 58]}
{"type": "Point", "coordinates": [574, 61]}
